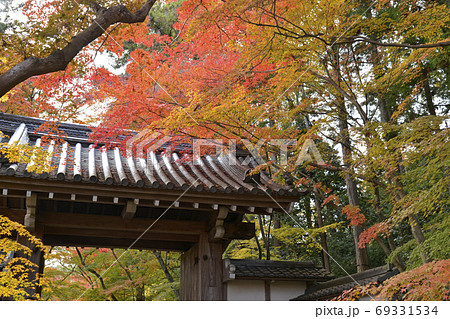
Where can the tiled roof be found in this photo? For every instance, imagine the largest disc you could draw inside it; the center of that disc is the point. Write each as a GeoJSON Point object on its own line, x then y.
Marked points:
{"type": "Point", "coordinates": [333, 288]}
{"type": "Point", "coordinates": [270, 269]}
{"type": "Point", "coordinates": [10, 122]}
{"type": "Point", "coordinates": [79, 161]}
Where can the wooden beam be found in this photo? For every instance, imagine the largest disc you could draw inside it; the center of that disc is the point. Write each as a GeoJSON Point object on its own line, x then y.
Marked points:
{"type": "Point", "coordinates": [239, 231]}
{"type": "Point", "coordinates": [87, 221]}
{"type": "Point", "coordinates": [123, 234]}
{"type": "Point", "coordinates": [71, 197]}
{"type": "Point", "coordinates": [142, 202]}
{"type": "Point", "coordinates": [14, 193]}
{"type": "Point", "coordinates": [90, 224]}
{"type": "Point", "coordinates": [16, 215]}
{"type": "Point", "coordinates": [77, 241]}
{"type": "Point", "coordinates": [121, 201]}
{"type": "Point", "coordinates": [146, 193]}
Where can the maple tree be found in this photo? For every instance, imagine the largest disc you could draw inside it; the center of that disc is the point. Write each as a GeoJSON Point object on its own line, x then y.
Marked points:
{"type": "Point", "coordinates": [427, 282]}
{"type": "Point", "coordinates": [110, 274]}
{"type": "Point", "coordinates": [371, 80]}
{"type": "Point", "coordinates": [223, 74]}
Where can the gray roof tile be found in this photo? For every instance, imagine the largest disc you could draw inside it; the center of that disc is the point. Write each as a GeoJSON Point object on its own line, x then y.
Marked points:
{"type": "Point", "coordinates": [231, 180]}
{"type": "Point", "coordinates": [271, 269]}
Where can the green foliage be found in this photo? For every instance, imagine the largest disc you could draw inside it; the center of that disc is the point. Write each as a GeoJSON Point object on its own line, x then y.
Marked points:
{"type": "Point", "coordinates": [436, 243]}
{"type": "Point", "coordinates": [131, 275]}
{"type": "Point", "coordinates": [302, 240]}
{"type": "Point", "coordinates": [163, 16]}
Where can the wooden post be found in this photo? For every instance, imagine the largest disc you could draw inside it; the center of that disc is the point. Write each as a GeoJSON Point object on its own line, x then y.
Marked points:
{"type": "Point", "coordinates": [35, 273]}
{"type": "Point", "coordinates": [201, 271]}
{"type": "Point", "coordinates": [37, 256]}
{"type": "Point", "coordinates": [30, 216]}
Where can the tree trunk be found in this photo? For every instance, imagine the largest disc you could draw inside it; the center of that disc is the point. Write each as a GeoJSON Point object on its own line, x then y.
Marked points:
{"type": "Point", "coordinates": [362, 259]}
{"type": "Point", "coordinates": [323, 236]}
{"type": "Point", "coordinates": [276, 225]}
{"type": "Point", "coordinates": [263, 235]}
{"type": "Point", "coordinates": [428, 94]}
{"type": "Point", "coordinates": [397, 260]}
{"type": "Point", "coordinates": [140, 292]}
{"type": "Point", "coordinates": [166, 271]}
{"type": "Point", "coordinates": [256, 239]}
{"type": "Point", "coordinates": [419, 237]}
{"type": "Point", "coordinates": [308, 214]}
{"type": "Point", "coordinates": [385, 113]}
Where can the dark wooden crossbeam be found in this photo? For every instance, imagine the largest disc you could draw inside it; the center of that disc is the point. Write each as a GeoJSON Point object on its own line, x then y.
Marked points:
{"type": "Point", "coordinates": [116, 223]}
{"type": "Point", "coordinates": [102, 233]}
{"type": "Point", "coordinates": [79, 241]}
{"type": "Point", "coordinates": [239, 200]}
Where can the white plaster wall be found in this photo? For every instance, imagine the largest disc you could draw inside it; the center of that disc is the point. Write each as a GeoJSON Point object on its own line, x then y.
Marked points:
{"type": "Point", "coordinates": [285, 290]}
{"type": "Point", "coordinates": [246, 290]}
{"type": "Point", "coordinates": [253, 290]}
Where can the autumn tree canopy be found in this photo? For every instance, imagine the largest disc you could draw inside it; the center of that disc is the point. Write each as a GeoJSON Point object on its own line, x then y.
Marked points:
{"type": "Point", "coordinates": [367, 81]}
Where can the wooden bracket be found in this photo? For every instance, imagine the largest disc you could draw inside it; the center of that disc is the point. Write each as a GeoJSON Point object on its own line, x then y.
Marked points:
{"type": "Point", "coordinates": [229, 271]}
{"type": "Point", "coordinates": [218, 231]}
{"type": "Point", "coordinates": [129, 210]}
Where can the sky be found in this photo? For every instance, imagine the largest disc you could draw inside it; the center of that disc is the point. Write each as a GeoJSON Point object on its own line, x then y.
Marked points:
{"type": "Point", "coordinates": [13, 14]}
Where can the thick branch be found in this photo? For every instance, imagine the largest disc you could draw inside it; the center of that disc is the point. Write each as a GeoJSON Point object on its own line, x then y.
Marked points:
{"type": "Point", "coordinates": [99, 277]}
{"type": "Point", "coordinates": [59, 59]}
{"type": "Point", "coordinates": [127, 272]}
{"type": "Point", "coordinates": [361, 38]}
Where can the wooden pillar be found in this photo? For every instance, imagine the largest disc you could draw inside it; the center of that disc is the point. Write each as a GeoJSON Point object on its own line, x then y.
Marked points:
{"type": "Point", "coordinates": [35, 273]}
{"type": "Point", "coordinates": [37, 256]}
{"type": "Point", "coordinates": [201, 271]}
